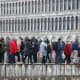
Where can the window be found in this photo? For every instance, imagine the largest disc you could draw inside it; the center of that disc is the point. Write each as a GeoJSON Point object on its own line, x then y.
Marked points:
{"type": "Point", "coordinates": [35, 6]}
{"type": "Point", "coordinates": [38, 5]}
{"type": "Point", "coordinates": [69, 4]}
{"type": "Point", "coordinates": [73, 4]}
{"type": "Point", "coordinates": [16, 25]}
{"type": "Point", "coordinates": [61, 5]}
{"type": "Point", "coordinates": [19, 23]}
{"type": "Point", "coordinates": [22, 7]}
{"type": "Point", "coordinates": [72, 23]}
{"type": "Point", "coordinates": [56, 24]}
{"type": "Point", "coordinates": [0, 25]}
{"type": "Point", "coordinates": [26, 7]}
{"type": "Point", "coordinates": [53, 5]}
{"type": "Point", "coordinates": [28, 24]}
{"type": "Point", "coordinates": [38, 24]}
{"type": "Point", "coordinates": [12, 25]}
{"type": "Point", "coordinates": [3, 25]}
{"type": "Point", "coordinates": [9, 25]}
{"type": "Point", "coordinates": [57, 5]}
{"type": "Point", "coordinates": [41, 24]}
{"type": "Point", "coordinates": [64, 23]}
{"type": "Point", "coordinates": [45, 23]}
{"type": "Point", "coordinates": [6, 25]}
{"type": "Point", "coordinates": [65, 4]}
{"type": "Point", "coordinates": [52, 23]}
{"type": "Point", "coordinates": [34, 24]}
{"type": "Point", "coordinates": [42, 5]}
{"type": "Point", "coordinates": [68, 23]}
{"type": "Point", "coordinates": [22, 25]}
{"type": "Point", "coordinates": [48, 23]}
{"type": "Point", "coordinates": [25, 25]}
{"type": "Point", "coordinates": [60, 23]}
{"type": "Point", "coordinates": [76, 22]}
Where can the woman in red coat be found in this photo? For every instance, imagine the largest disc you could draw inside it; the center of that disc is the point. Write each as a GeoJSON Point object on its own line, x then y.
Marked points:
{"type": "Point", "coordinates": [12, 50]}
{"type": "Point", "coordinates": [67, 52]}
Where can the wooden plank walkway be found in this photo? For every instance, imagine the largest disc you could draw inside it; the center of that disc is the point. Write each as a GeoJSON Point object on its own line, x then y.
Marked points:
{"type": "Point", "coordinates": [37, 70]}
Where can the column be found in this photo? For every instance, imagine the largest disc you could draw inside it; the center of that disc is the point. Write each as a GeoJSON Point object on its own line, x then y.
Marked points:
{"type": "Point", "coordinates": [51, 6]}
{"type": "Point", "coordinates": [43, 24]}
{"type": "Point", "coordinates": [63, 5]}
{"type": "Point", "coordinates": [62, 24]}
{"type": "Point", "coordinates": [40, 6]}
{"type": "Point", "coordinates": [74, 23]}
{"type": "Point", "coordinates": [36, 24]}
{"type": "Point", "coordinates": [50, 24]}
{"type": "Point", "coordinates": [26, 25]}
{"type": "Point", "coordinates": [23, 25]}
{"type": "Point", "coordinates": [67, 4]}
{"type": "Point", "coordinates": [44, 7]}
{"type": "Point", "coordinates": [33, 24]}
{"type": "Point", "coordinates": [40, 25]}
{"type": "Point", "coordinates": [70, 23]}
{"type": "Point", "coordinates": [14, 25]}
{"type": "Point", "coordinates": [30, 24]}
{"type": "Point", "coordinates": [18, 8]}
{"type": "Point", "coordinates": [76, 4]}
{"type": "Point", "coordinates": [55, 5]}
{"type": "Point", "coordinates": [54, 24]}
{"type": "Point", "coordinates": [20, 24]}
{"type": "Point", "coordinates": [58, 23]}
{"type": "Point", "coordinates": [71, 4]}
{"type": "Point", "coordinates": [48, 5]}
{"type": "Point", "coordinates": [59, 5]}
{"type": "Point", "coordinates": [66, 24]}
{"type": "Point", "coordinates": [2, 25]}
{"type": "Point", "coordinates": [11, 26]}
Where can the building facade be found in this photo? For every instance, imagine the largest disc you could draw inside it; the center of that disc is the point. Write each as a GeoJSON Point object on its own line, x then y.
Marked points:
{"type": "Point", "coordinates": [40, 18]}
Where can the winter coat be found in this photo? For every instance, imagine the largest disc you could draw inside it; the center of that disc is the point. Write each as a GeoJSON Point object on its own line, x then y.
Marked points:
{"type": "Point", "coordinates": [27, 48]}
{"type": "Point", "coordinates": [67, 49]}
{"type": "Point", "coordinates": [22, 46]}
{"type": "Point", "coordinates": [43, 49]}
{"type": "Point", "coordinates": [13, 47]}
{"type": "Point", "coordinates": [75, 46]}
{"type": "Point", "coordinates": [2, 47]}
{"type": "Point", "coordinates": [49, 49]}
{"type": "Point", "coordinates": [18, 44]}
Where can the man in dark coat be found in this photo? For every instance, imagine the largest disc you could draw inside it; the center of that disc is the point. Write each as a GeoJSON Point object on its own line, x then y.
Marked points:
{"type": "Point", "coordinates": [27, 50]}
{"type": "Point", "coordinates": [2, 49]}
{"type": "Point", "coordinates": [35, 49]}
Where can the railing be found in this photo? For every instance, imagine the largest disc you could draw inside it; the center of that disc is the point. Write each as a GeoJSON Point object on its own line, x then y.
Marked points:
{"type": "Point", "coordinates": [37, 70]}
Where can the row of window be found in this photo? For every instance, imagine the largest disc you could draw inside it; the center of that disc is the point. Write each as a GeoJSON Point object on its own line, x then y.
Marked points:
{"type": "Point", "coordinates": [40, 24]}
{"type": "Point", "coordinates": [38, 6]}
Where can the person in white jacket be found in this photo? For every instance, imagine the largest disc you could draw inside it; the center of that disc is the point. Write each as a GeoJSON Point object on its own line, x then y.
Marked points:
{"type": "Point", "coordinates": [43, 50]}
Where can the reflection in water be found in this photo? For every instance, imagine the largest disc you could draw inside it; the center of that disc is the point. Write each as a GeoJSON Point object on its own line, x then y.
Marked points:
{"type": "Point", "coordinates": [44, 78]}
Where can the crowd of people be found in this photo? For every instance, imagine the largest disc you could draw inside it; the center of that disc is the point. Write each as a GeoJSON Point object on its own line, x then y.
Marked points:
{"type": "Point", "coordinates": [29, 49]}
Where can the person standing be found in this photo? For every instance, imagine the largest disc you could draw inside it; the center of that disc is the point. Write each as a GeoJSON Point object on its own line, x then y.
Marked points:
{"type": "Point", "coordinates": [59, 50]}
{"type": "Point", "coordinates": [13, 49]}
{"type": "Point", "coordinates": [67, 52]}
{"type": "Point", "coordinates": [49, 52]}
{"type": "Point", "coordinates": [43, 50]}
{"type": "Point", "coordinates": [27, 50]}
{"type": "Point", "coordinates": [75, 49]}
{"type": "Point", "coordinates": [7, 48]}
{"type": "Point", "coordinates": [2, 50]}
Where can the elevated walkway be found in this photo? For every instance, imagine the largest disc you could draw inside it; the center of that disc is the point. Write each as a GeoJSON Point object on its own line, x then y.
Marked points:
{"type": "Point", "coordinates": [37, 70]}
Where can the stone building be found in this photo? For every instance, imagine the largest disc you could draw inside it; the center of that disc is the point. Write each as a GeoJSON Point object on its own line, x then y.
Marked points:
{"type": "Point", "coordinates": [40, 18]}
